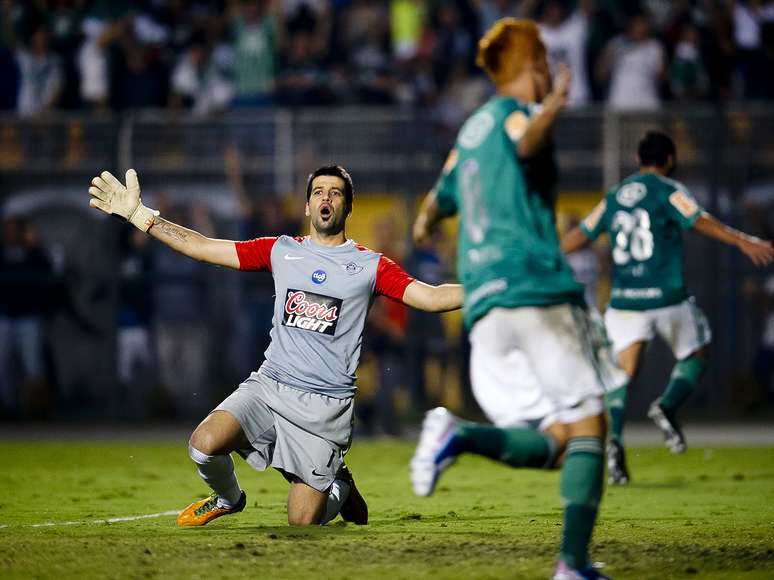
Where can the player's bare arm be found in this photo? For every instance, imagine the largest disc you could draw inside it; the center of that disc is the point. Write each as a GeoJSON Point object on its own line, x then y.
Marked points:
{"type": "Point", "coordinates": [427, 219]}
{"type": "Point", "coordinates": [540, 125]}
{"type": "Point", "coordinates": [194, 245]}
{"type": "Point", "coordinates": [112, 197]}
{"type": "Point", "coordinates": [760, 252]}
{"type": "Point", "coordinates": [574, 240]}
{"type": "Point", "coordinates": [441, 298]}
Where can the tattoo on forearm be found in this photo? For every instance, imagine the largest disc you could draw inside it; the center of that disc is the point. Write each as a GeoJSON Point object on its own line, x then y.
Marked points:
{"type": "Point", "coordinates": [171, 230]}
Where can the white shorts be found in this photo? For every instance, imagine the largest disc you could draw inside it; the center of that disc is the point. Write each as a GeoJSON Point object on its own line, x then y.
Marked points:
{"type": "Point", "coordinates": [683, 327]}
{"type": "Point", "coordinates": [533, 364]}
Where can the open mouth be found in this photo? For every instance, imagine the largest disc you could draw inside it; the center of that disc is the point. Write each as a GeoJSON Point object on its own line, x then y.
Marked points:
{"type": "Point", "coordinates": [326, 212]}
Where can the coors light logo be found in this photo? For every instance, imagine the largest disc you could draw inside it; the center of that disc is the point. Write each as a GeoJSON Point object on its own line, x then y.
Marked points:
{"type": "Point", "coordinates": [310, 311]}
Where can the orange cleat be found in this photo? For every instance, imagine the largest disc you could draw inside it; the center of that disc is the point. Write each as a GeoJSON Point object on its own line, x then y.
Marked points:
{"type": "Point", "coordinates": [203, 511]}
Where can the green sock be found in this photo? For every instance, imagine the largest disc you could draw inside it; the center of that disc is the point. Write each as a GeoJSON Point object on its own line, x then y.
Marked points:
{"type": "Point", "coordinates": [683, 381]}
{"type": "Point", "coordinates": [517, 447]}
{"type": "Point", "coordinates": [615, 401]}
{"type": "Point", "coordinates": [581, 489]}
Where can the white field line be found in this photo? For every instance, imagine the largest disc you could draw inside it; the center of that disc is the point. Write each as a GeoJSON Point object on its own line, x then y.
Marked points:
{"type": "Point", "coordinates": [91, 522]}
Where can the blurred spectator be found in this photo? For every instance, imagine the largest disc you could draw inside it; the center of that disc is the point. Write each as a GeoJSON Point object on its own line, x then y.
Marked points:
{"type": "Point", "coordinates": [687, 75]}
{"type": "Point", "coordinates": [367, 44]}
{"type": "Point", "coordinates": [41, 74]}
{"type": "Point", "coordinates": [753, 22]}
{"type": "Point", "coordinates": [9, 75]}
{"type": "Point", "coordinates": [425, 336]}
{"type": "Point", "coordinates": [407, 21]}
{"type": "Point", "coordinates": [200, 80]}
{"type": "Point", "coordinates": [313, 17]}
{"type": "Point", "coordinates": [139, 77]}
{"type": "Point", "coordinates": [302, 81]}
{"type": "Point", "coordinates": [181, 319]}
{"type": "Point", "coordinates": [634, 65]}
{"type": "Point", "coordinates": [257, 34]}
{"type": "Point", "coordinates": [565, 33]}
{"type": "Point", "coordinates": [490, 11]}
{"type": "Point", "coordinates": [387, 335]}
{"type": "Point", "coordinates": [764, 359]}
{"type": "Point", "coordinates": [135, 315]}
{"type": "Point", "coordinates": [64, 22]}
{"type": "Point", "coordinates": [102, 23]}
{"type": "Point", "coordinates": [454, 43]}
{"type": "Point", "coordinates": [463, 95]}
{"type": "Point", "coordinates": [25, 274]}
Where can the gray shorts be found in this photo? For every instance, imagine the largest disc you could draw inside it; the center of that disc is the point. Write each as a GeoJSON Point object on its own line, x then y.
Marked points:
{"type": "Point", "coordinates": [297, 432]}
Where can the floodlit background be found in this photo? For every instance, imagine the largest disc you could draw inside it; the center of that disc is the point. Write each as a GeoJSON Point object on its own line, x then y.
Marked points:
{"type": "Point", "coordinates": [224, 107]}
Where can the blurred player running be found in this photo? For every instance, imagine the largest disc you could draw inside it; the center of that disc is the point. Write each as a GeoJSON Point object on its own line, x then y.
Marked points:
{"type": "Point", "coordinates": [645, 216]}
{"type": "Point", "coordinates": [537, 358]}
{"type": "Point", "coordinates": [295, 413]}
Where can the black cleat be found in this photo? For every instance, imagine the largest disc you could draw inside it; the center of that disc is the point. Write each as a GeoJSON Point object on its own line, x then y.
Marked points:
{"type": "Point", "coordinates": [673, 435]}
{"type": "Point", "coordinates": [617, 472]}
{"type": "Point", "coordinates": [354, 509]}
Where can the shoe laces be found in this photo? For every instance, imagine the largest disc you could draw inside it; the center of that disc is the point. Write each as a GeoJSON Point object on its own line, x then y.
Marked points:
{"type": "Point", "coordinates": [207, 506]}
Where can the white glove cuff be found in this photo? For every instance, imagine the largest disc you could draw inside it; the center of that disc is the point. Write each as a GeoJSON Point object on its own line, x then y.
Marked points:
{"type": "Point", "coordinates": [142, 217]}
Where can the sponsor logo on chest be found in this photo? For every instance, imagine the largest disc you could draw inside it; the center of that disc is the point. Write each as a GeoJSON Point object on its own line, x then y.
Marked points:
{"type": "Point", "coordinates": [631, 194]}
{"type": "Point", "coordinates": [310, 311]}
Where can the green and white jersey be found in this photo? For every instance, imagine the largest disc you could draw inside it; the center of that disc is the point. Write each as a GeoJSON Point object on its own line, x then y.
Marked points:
{"type": "Point", "coordinates": [508, 253]}
{"type": "Point", "coordinates": [645, 216]}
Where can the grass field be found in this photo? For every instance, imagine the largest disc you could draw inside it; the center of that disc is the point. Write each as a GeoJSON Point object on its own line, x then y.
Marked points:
{"type": "Point", "coordinates": [708, 514]}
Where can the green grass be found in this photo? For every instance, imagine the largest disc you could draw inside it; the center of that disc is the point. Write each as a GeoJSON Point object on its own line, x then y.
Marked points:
{"type": "Point", "coordinates": [708, 514]}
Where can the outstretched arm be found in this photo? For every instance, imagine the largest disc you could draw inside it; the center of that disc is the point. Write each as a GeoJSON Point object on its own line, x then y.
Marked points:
{"type": "Point", "coordinates": [440, 298]}
{"type": "Point", "coordinates": [111, 196]}
{"type": "Point", "coordinates": [760, 252]}
{"type": "Point", "coordinates": [538, 131]}
{"type": "Point", "coordinates": [194, 245]}
{"type": "Point", "coordinates": [574, 240]}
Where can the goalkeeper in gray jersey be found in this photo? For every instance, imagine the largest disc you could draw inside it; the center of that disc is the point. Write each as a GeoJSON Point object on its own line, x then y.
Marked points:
{"type": "Point", "coordinates": [295, 412]}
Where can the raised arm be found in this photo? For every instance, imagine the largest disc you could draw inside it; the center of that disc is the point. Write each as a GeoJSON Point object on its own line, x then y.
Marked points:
{"type": "Point", "coordinates": [760, 252]}
{"type": "Point", "coordinates": [540, 125]}
{"type": "Point", "coordinates": [111, 196]}
{"type": "Point", "coordinates": [440, 298]}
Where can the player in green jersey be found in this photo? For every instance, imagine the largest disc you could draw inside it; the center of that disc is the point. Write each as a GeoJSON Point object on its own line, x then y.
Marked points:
{"type": "Point", "coordinates": [644, 217]}
{"type": "Point", "coordinates": [538, 364]}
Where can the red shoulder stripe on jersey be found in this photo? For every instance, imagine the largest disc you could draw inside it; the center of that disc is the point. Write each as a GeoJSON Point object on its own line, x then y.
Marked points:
{"type": "Point", "coordinates": [255, 254]}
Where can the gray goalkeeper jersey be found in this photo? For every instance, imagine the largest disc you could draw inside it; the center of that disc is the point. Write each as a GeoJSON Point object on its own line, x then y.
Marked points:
{"type": "Point", "coordinates": [322, 298]}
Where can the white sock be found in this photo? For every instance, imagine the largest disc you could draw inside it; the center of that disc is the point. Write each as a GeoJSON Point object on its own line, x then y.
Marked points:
{"type": "Point", "coordinates": [217, 471]}
{"type": "Point", "coordinates": [336, 497]}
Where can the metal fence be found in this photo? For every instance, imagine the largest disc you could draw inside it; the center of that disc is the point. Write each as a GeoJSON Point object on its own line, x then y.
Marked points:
{"type": "Point", "coordinates": [726, 157]}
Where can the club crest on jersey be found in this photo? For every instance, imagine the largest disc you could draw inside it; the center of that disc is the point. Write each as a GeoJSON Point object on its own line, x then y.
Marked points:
{"type": "Point", "coordinates": [352, 268]}
{"type": "Point", "coordinates": [476, 130]}
{"type": "Point", "coordinates": [631, 193]}
{"type": "Point", "coordinates": [319, 276]}
{"type": "Point", "coordinates": [312, 312]}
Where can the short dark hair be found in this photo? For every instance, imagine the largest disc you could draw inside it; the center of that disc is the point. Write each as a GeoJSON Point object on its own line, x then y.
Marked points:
{"type": "Point", "coordinates": [655, 148]}
{"type": "Point", "coordinates": [336, 171]}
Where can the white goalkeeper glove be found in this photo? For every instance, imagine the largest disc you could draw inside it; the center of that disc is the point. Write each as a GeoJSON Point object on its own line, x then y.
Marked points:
{"type": "Point", "coordinates": [111, 196]}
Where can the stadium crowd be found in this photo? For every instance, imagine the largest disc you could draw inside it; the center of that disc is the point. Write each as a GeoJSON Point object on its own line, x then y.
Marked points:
{"type": "Point", "coordinates": [209, 55]}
